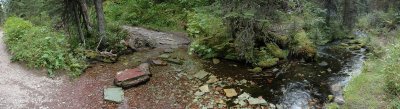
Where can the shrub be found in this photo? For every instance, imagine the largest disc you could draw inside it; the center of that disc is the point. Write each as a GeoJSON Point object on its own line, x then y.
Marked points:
{"type": "Point", "coordinates": [209, 33]}
{"type": "Point", "coordinates": [302, 46]}
{"type": "Point", "coordinates": [40, 47]}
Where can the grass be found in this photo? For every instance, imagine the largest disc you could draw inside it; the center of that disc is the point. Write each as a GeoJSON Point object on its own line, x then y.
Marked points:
{"type": "Point", "coordinates": [377, 85]}
{"type": "Point", "coordinates": [368, 89]}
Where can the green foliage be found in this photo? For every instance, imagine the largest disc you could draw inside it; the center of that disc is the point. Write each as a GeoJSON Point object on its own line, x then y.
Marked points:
{"type": "Point", "coordinates": [209, 34]}
{"type": "Point", "coordinates": [256, 70]}
{"type": "Point", "coordinates": [40, 47]}
{"type": "Point", "coordinates": [332, 106]}
{"type": "Point", "coordinates": [165, 15]}
{"type": "Point", "coordinates": [276, 51]}
{"type": "Point", "coordinates": [302, 46]}
{"type": "Point", "coordinates": [268, 63]}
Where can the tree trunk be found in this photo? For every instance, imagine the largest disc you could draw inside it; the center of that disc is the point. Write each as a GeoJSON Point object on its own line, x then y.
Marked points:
{"type": "Point", "coordinates": [85, 15]}
{"type": "Point", "coordinates": [100, 21]}
{"type": "Point", "coordinates": [349, 14]}
{"type": "Point", "coordinates": [78, 24]}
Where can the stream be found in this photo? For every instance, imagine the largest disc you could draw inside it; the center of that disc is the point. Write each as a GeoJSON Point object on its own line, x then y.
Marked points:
{"type": "Point", "coordinates": [298, 84]}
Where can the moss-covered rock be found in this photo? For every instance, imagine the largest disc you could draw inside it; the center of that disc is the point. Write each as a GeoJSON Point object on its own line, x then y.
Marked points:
{"type": "Point", "coordinates": [256, 70]}
{"type": "Point", "coordinates": [268, 63]}
{"type": "Point", "coordinates": [276, 51]}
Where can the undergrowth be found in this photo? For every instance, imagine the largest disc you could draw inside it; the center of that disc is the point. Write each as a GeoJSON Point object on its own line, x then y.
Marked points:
{"type": "Point", "coordinates": [41, 47]}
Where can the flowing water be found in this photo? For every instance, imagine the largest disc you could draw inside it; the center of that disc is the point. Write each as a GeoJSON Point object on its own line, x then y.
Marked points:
{"type": "Point", "coordinates": [298, 84]}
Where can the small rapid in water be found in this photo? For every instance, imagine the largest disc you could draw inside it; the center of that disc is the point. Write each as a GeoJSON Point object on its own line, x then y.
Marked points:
{"type": "Point", "coordinates": [298, 84]}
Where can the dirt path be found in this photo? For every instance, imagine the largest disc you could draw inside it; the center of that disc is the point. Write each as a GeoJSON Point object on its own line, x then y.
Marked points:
{"type": "Point", "coordinates": [21, 87]}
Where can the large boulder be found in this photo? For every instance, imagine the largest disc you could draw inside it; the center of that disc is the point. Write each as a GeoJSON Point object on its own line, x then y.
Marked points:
{"type": "Point", "coordinates": [133, 77]}
{"type": "Point", "coordinates": [140, 38]}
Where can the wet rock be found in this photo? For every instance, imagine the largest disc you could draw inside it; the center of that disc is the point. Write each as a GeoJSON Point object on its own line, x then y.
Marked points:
{"type": "Point", "coordinates": [159, 62]}
{"type": "Point", "coordinates": [275, 70]}
{"type": "Point", "coordinates": [201, 74]}
{"type": "Point", "coordinates": [337, 90]}
{"type": "Point", "coordinates": [216, 61]}
{"type": "Point", "coordinates": [271, 106]}
{"type": "Point", "coordinates": [230, 92]}
{"type": "Point", "coordinates": [132, 77]}
{"type": "Point", "coordinates": [323, 63]}
{"type": "Point", "coordinates": [212, 79]}
{"type": "Point", "coordinates": [257, 101]}
{"type": "Point", "coordinates": [278, 106]}
{"type": "Point", "coordinates": [329, 70]}
{"type": "Point", "coordinates": [114, 94]}
{"type": "Point", "coordinates": [204, 88]}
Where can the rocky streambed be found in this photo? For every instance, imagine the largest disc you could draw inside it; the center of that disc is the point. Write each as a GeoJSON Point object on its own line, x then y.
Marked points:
{"type": "Point", "coordinates": [180, 80]}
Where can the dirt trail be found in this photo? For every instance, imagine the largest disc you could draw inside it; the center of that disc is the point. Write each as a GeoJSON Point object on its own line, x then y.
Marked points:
{"type": "Point", "coordinates": [21, 87]}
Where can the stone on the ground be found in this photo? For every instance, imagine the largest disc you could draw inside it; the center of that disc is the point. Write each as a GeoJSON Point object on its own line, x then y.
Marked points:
{"type": "Point", "coordinates": [212, 79]}
{"type": "Point", "coordinates": [145, 67]}
{"type": "Point", "coordinates": [168, 50]}
{"type": "Point", "coordinates": [114, 94]}
{"type": "Point", "coordinates": [244, 96]}
{"type": "Point", "coordinates": [132, 77]}
{"type": "Point", "coordinates": [199, 93]}
{"type": "Point", "coordinates": [230, 92]}
{"type": "Point", "coordinates": [201, 74]}
{"type": "Point", "coordinates": [243, 81]}
{"type": "Point", "coordinates": [164, 56]}
{"type": "Point", "coordinates": [323, 63]}
{"type": "Point", "coordinates": [204, 88]}
{"type": "Point", "coordinates": [256, 101]}
{"type": "Point", "coordinates": [159, 62]}
{"type": "Point", "coordinates": [216, 61]}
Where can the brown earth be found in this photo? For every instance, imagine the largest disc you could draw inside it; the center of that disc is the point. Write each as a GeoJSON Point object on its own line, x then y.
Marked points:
{"type": "Point", "coordinates": [28, 88]}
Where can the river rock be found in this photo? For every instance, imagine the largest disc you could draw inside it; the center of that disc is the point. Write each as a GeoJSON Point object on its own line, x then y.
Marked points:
{"type": "Point", "coordinates": [201, 74]}
{"type": "Point", "coordinates": [114, 94]}
{"type": "Point", "coordinates": [244, 96]}
{"type": "Point", "coordinates": [212, 79]}
{"type": "Point", "coordinates": [204, 88]}
{"type": "Point", "coordinates": [132, 77]}
{"type": "Point", "coordinates": [337, 90]}
{"type": "Point", "coordinates": [323, 63]}
{"type": "Point", "coordinates": [216, 61]}
{"type": "Point", "coordinates": [271, 106]}
{"type": "Point", "coordinates": [230, 92]}
{"type": "Point", "coordinates": [257, 101]}
{"type": "Point", "coordinates": [275, 70]}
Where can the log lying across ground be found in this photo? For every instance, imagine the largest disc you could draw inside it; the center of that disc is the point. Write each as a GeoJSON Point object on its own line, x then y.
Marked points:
{"type": "Point", "coordinates": [140, 38]}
